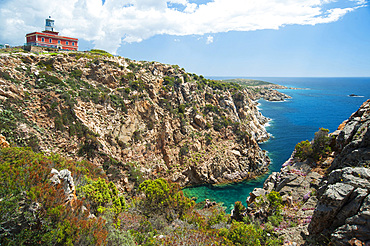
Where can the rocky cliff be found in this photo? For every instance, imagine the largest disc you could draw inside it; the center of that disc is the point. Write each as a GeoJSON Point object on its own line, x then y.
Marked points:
{"type": "Point", "coordinates": [134, 119]}
{"type": "Point", "coordinates": [326, 199]}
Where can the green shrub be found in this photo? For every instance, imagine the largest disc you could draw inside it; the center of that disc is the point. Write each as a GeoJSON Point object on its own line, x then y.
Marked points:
{"type": "Point", "coordinates": [33, 211]}
{"type": "Point", "coordinates": [320, 145]}
{"type": "Point", "coordinates": [135, 174]}
{"type": "Point", "coordinates": [242, 234]}
{"type": "Point", "coordinates": [303, 150]}
{"type": "Point", "coordinates": [137, 85]}
{"type": "Point", "coordinates": [275, 219]}
{"type": "Point", "coordinates": [163, 196]}
{"type": "Point", "coordinates": [275, 200]}
{"type": "Point", "coordinates": [45, 80]}
{"type": "Point", "coordinates": [76, 73]}
{"type": "Point", "coordinates": [182, 108]}
{"type": "Point", "coordinates": [210, 108]}
{"type": "Point", "coordinates": [239, 210]}
{"type": "Point", "coordinates": [47, 64]}
{"type": "Point", "coordinates": [127, 78]}
{"type": "Point", "coordinates": [219, 123]}
{"type": "Point", "coordinates": [118, 102]}
{"type": "Point", "coordinates": [103, 196]}
{"type": "Point", "coordinates": [169, 81]}
{"type": "Point", "coordinates": [136, 136]}
{"type": "Point", "coordinates": [5, 75]}
{"type": "Point", "coordinates": [218, 216]}
{"type": "Point", "coordinates": [316, 150]}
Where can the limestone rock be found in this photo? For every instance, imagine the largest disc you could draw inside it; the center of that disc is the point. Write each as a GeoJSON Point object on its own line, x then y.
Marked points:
{"type": "Point", "coordinates": [65, 178]}
{"type": "Point", "coordinates": [3, 142]}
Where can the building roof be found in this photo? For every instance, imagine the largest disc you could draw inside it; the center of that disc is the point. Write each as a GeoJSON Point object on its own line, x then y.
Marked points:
{"type": "Point", "coordinates": [50, 34]}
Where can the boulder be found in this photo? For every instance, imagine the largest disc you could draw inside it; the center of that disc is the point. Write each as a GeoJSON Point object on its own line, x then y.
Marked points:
{"type": "Point", "coordinates": [200, 121]}
{"type": "Point", "coordinates": [331, 202]}
{"type": "Point", "coordinates": [65, 178]}
{"type": "Point", "coordinates": [3, 142]}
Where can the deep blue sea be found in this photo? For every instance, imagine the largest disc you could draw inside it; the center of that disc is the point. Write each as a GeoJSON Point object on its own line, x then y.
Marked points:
{"type": "Point", "coordinates": [322, 102]}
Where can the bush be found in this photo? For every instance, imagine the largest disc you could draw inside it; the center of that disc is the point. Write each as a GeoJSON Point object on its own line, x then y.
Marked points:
{"type": "Point", "coordinates": [303, 150]}
{"type": "Point", "coordinates": [320, 145]}
{"type": "Point", "coordinates": [182, 108]}
{"type": "Point", "coordinates": [275, 200]}
{"type": "Point", "coordinates": [33, 211]}
{"type": "Point", "coordinates": [45, 80]}
{"type": "Point", "coordinates": [48, 64]}
{"type": "Point", "coordinates": [219, 123]}
{"type": "Point", "coordinates": [76, 73]}
{"type": "Point", "coordinates": [316, 150]}
{"type": "Point", "coordinates": [103, 196]}
{"type": "Point", "coordinates": [137, 85]}
{"type": "Point", "coordinates": [163, 196]}
{"type": "Point", "coordinates": [241, 234]}
{"type": "Point", "coordinates": [238, 212]}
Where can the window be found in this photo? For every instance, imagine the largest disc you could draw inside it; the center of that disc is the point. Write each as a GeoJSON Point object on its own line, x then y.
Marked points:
{"type": "Point", "coordinates": [73, 43]}
{"type": "Point", "coordinates": [66, 42]}
{"type": "Point", "coordinates": [49, 40]}
{"type": "Point", "coordinates": [58, 41]}
{"type": "Point", "coordinates": [42, 40]}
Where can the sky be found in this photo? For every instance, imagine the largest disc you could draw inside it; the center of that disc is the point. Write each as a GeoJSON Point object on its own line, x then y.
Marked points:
{"type": "Point", "coordinates": [239, 38]}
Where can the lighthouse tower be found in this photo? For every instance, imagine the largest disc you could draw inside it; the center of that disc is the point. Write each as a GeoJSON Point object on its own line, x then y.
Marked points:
{"type": "Point", "coordinates": [49, 24]}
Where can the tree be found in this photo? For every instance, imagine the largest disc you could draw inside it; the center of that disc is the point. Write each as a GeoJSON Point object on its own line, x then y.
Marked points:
{"type": "Point", "coordinates": [320, 145]}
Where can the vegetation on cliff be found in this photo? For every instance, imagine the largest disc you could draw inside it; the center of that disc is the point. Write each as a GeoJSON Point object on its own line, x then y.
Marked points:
{"type": "Point", "coordinates": [86, 129]}
{"type": "Point", "coordinates": [38, 210]}
{"type": "Point", "coordinates": [133, 118]}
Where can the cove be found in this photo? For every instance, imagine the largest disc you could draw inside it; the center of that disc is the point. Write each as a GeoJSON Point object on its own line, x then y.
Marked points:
{"type": "Point", "coordinates": [324, 102]}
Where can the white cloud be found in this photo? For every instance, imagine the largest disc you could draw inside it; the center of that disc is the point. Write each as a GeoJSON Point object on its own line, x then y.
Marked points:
{"type": "Point", "coordinates": [120, 21]}
{"type": "Point", "coordinates": [209, 40]}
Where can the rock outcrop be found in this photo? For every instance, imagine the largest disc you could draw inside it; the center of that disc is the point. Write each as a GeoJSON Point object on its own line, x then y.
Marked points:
{"type": "Point", "coordinates": [271, 95]}
{"type": "Point", "coordinates": [344, 194]}
{"type": "Point", "coordinates": [329, 199]}
{"type": "Point", "coordinates": [133, 117]}
{"type": "Point", "coordinates": [3, 142]}
{"type": "Point", "coordinates": [65, 178]}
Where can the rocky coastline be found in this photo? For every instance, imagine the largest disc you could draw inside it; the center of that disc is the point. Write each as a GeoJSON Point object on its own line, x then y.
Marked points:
{"type": "Point", "coordinates": [326, 201]}
{"type": "Point", "coordinates": [131, 117]}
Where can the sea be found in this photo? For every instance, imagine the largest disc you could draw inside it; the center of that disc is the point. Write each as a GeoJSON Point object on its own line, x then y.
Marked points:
{"type": "Point", "coordinates": [318, 102]}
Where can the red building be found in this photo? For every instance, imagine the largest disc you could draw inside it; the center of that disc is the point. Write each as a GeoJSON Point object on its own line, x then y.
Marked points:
{"type": "Point", "coordinates": [50, 38]}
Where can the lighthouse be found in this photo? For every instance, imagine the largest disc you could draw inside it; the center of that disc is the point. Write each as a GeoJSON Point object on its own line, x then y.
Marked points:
{"type": "Point", "coordinates": [51, 38]}
{"type": "Point", "coordinates": [49, 24]}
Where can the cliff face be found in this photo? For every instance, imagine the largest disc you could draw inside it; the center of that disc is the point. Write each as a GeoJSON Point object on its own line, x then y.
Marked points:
{"type": "Point", "coordinates": [328, 200]}
{"type": "Point", "coordinates": [344, 193]}
{"type": "Point", "coordinates": [132, 117]}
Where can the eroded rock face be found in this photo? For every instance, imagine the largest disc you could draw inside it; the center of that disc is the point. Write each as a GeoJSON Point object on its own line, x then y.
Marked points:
{"type": "Point", "coordinates": [151, 116]}
{"type": "Point", "coordinates": [344, 193]}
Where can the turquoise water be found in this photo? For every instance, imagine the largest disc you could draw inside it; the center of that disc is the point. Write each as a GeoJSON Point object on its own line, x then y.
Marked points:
{"type": "Point", "coordinates": [323, 103]}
